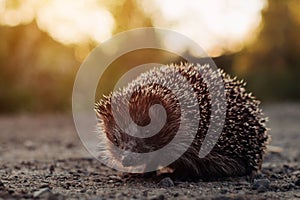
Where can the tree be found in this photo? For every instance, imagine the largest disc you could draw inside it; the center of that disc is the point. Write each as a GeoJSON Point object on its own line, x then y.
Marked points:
{"type": "Point", "coordinates": [277, 46]}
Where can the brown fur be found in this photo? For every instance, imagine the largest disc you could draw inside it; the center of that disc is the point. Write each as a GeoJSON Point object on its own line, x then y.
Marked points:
{"type": "Point", "coordinates": [241, 145]}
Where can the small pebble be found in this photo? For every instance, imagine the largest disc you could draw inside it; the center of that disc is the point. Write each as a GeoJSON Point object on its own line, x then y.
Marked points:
{"type": "Point", "coordinates": [166, 182]}
{"type": "Point", "coordinates": [297, 172]}
{"type": "Point", "coordinates": [261, 185]}
{"type": "Point", "coordinates": [116, 178]}
{"type": "Point", "coordinates": [223, 191]}
{"type": "Point", "coordinates": [42, 192]}
{"type": "Point", "coordinates": [1, 184]}
{"type": "Point", "coordinates": [44, 186]}
{"type": "Point", "coordinates": [70, 145]}
{"type": "Point", "coordinates": [274, 176]}
{"type": "Point", "coordinates": [159, 197]}
{"type": "Point", "coordinates": [176, 194]}
{"type": "Point", "coordinates": [83, 190]}
{"type": "Point", "coordinates": [30, 145]}
{"type": "Point", "coordinates": [11, 191]}
{"type": "Point", "coordinates": [259, 176]}
{"type": "Point", "coordinates": [297, 182]}
{"type": "Point", "coordinates": [51, 169]}
{"type": "Point", "coordinates": [222, 197]}
{"type": "Point", "coordinates": [119, 195]}
{"type": "Point", "coordinates": [145, 193]}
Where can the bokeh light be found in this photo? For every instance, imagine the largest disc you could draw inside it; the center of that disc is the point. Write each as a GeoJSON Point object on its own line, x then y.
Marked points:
{"type": "Point", "coordinates": [75, 21]}
{"type": "Point", "coordinates": [218, 26]}
{"type": "Point", "coordinates": [14, 12]}
{"type": "Point", "coordinates": [43, 43]}
{"type": "Point", "coordinates": [214, 24]}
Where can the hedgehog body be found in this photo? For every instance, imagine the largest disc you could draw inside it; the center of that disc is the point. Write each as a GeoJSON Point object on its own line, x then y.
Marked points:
{"type": "Point", "coordinates": [241, 144]}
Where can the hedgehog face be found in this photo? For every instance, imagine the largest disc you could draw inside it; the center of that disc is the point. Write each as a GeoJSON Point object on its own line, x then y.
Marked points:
{"type": "Point", "coordinates": [129, 140]}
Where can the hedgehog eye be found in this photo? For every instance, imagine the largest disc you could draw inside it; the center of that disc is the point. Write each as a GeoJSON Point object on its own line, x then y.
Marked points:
{"type": "Point", "coordinates": [115, 140]}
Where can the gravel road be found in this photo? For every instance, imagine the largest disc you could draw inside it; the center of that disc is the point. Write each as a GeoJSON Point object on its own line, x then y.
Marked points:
{"type": "Point", "coordinates": [42, 157]}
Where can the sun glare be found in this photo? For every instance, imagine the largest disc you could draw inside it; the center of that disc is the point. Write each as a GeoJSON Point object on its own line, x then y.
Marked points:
{"type": "Point", "coordinates": [216, 25]}
{"type": "Point", "coordinates": [21, 13]}
{"type": "Point", "coordinates": [75, 21]}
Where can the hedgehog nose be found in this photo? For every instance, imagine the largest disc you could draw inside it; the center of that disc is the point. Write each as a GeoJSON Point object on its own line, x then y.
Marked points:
{"type": "Point", "coordinates": [127, 161]}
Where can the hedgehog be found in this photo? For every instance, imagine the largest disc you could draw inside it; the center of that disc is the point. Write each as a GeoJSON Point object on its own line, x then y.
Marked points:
{"type": "Point", "coordinates": [238, 150]}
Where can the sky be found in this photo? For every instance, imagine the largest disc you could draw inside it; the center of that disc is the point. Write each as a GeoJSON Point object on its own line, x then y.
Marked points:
{"type": "Point", "coordinates": [214, 24]}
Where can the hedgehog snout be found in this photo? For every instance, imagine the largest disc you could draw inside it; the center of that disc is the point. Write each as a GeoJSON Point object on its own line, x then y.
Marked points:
{"type": "Point", "coordinates": [130, 159]}
{"type": "Point", "coordinates": [127, 160]}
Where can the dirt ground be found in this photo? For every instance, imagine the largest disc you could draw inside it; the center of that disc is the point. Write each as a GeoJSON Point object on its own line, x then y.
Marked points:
{"type": "Point", "coordinates": [42, 157]}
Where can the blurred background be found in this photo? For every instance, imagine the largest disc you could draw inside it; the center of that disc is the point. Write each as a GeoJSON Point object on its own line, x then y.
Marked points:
{"type": "Point", "coordinates": [43, 43]}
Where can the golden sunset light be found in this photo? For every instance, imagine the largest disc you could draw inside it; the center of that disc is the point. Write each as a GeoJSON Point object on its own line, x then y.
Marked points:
{"type": "Point", "coordinates": [212, 24]}
{"type": "Point", "coordinates": [149, 99]}
{"type": "Point", "coordinates": [75, 21]}
{"type": "Point", "coordinates": [215, 25]}
{"type": "Point", "coordinates": [13, 13]}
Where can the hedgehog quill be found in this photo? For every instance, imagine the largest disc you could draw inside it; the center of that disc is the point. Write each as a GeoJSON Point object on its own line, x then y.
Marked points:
{"type": "Point", "coordinates": [239, 150]}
